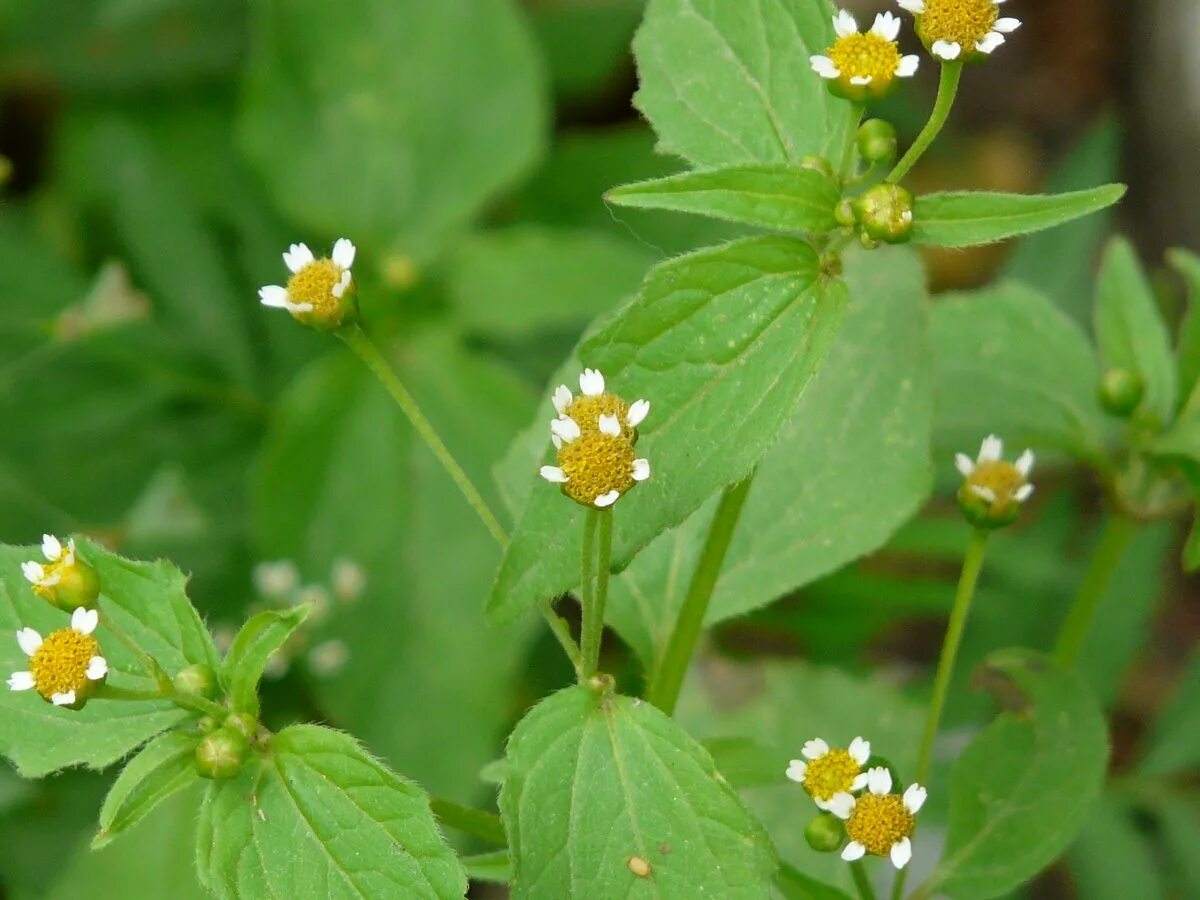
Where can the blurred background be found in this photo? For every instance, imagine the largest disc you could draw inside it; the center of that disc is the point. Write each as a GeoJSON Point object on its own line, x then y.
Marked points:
{"type": "Point", "coordinates": [156, 157]}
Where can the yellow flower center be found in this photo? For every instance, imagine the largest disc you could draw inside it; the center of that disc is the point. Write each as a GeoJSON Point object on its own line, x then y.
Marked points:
{"type": "Point", "coordinates": [1000, 477]}
{"type": "Point", "coordinates": [315, 283]}
{"type": "Point", "coordinates": [965, 22]}
{"type": "Point", "coordinates": [586, 411]}
{"type": "Point", "coordinates": [61, 663]}
{"type": "Point", "coordinates": [59, 567]}
{"type": "Point", "coordinates": [862, 55]}
{"type": "Point", "coordinates": [596, 464]}
{"type": "Point", "coordinates": [878, 821]}
{"type": "Point", "coordinates": [833, 773]}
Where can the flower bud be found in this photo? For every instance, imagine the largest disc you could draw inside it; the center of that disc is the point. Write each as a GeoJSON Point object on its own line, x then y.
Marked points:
{"type": "Point", "coordinates": [1121, 392]}
{"type": "Point", "coordinates": [199, 679]}
{"type": "Point", "coordinates": [818, 164]}
{"type": "Point", "coordinates": [826, 833]}
{"type": "Point", "coordinates": [221, 755]}
{"type": "Point", "coordinates": [243, 723]}
{"type": "Point", "coordinates": [844, 213]}
{"type": "Point", "coordinates": [886, 213]}
{"type": "Point", "coordinates": [63, 580]}
{"type": "Point", "coordinates": [877, 141]}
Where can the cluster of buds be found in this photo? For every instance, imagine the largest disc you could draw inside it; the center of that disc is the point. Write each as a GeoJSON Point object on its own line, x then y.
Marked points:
{"type": "Point", "coordinates": [861, 813]}
{"type": "Point", "coordinates": [594, 436]}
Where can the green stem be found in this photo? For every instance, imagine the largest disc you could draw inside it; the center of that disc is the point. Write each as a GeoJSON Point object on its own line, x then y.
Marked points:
{"type": "Point", "coordinates": [1118, 532]}
{"type": "Point", "coordinates": [668, 679]}
{"type": "Point", "coordinates": [859, 873]}
{"type": "Point", "coordinates": [947, 91]}
{"type": "Point", "coordinates": [148, 663]}
{"type": "Point", "coordinates": [846, 167]}
{"type": "Point", "coordinates": [483, 825]}
{"type": "Point", "coordinates": [188, 701]}
{"type": "Point", "coordinates": [595, 561]}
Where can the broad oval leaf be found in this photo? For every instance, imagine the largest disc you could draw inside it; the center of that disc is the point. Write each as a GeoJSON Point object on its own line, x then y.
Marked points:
{"type": "Point", "coordinates": [726, 83]}
{"type": "Point", "coordinates": [722, 343]}
{"type": "Point", "coordinates": [316, 815]}
{"type": "Point", "coordinates": [1024, 787]}
{"type": "Point", "coordinates": [582, 758]}
{"type": "Point", "coordinates": [164, 766]}
{"type": "Point", "coordinates": [969, 218]}
{"type": "Point", "coordinates": [785, 198]}
{"type": "Point", "coordinates": [247, 659]}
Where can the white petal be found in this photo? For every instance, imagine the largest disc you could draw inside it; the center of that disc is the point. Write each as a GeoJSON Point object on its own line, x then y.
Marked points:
{"type": "Point", "coordinates": [34, 572]}
{"type": "Point", "coordinates": [886, 26]}
{"type": "Point", "coordinates": [947, 50]}
{"type": "Point", "coordinates": [916, 7]}
{"type": "Point", "coordinates": [815, 749]}
{"type": "Point", "coordinates": [343, 253]}
{"type": "Point", "coordinates": [566, 428]}
{"type": "Point", "coordinates": [901, 853]}
{"type": "Point", "coordinates": [70, 557]}
{"type": "Point", "coordinates": [342, 283]}
{"type": "Point", "coordinates": [637, 413]}
{"type": "Point", "coordinates": [63, 699]}
{"type": "Point", "coordinates": [21, 681]}
{"type": "Point", "coordinates": [562, 399]}
{"type": "Point", "coordinates": [51, 547]}
{"type": "Point", "coordinates": [824, 66]}
{"type": "Point", "coordinates": [97, 668]}
{"type": "Point", "coordinates": [879, 780]}
{"type": "Point", "coordinates": [841, 805]}
{"type": "Point", "coordinates": [641, 469]}
{"type": "Point", "coordinates": [990, 42]}
{"type": "Point", "coordinates": [983, 493]}
{"type": "Point", "coordinates": [85, 620]}
{"type": "Point", "coordinates": [914, 798]}
{"type": "Point", "coordinates": [860, 751]}
{"type": "Point", "coordinates": [796, 770]}
{"type": "Point", "coordinates": [1024, 463]}
{"type": "Point", "coordinates": [610, 425]}
{"type": "Point", "coordinates": [908, 66]}
{"type": "Point", "coordinates": [608, 499]}
{"type": "Point", "coordinates": [591, 382]}
{"type": "Point", "coordinates": [862, 79]}
{"type": "Point", "coordinates": [1007, 25]}
{"type": "Point", "coordinates": [860, 782]}
{"type": "Point", "coordinates": [556, 441]}
{"type": "Point", "coordinates": [554, 474]}
{"type": "Point", "coordinates": [823, 805]}
{"type": "Point", "coordinates": [854, 851]}
{"type": "Point", "coordinates": [962, 462]}
{"type": "Point", "coordinates": [1024, 492]}
{"type": "Point", "coordinates": [844, 24]}
{"type": "Point", "coordinates": [29, 641]}
{"type": "Point", "coordinates": [274, 296]}
{"type": "Point", "coordinates": [297, 257]}
{"type": "Point", "coordinates": [991, 449]}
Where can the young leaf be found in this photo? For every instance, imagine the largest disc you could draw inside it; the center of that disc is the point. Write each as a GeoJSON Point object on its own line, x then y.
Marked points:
{"type": "Point", "coordinates": [785, 198]}
{"type": "Point", "coordinates": [260, 637]}
{"type": "Point", "coordinates": [164, 766]}
{"type": "Point", "coordinates": [728, 83]}
{"type": "Point", "coordinates": [317, 813]}
{"type": "Point", "coordinates": [1187, 264]}
{"type": "Point", "coordinates": [970, 218]}
{"type": "Point", "coordinates": [670, 822]}
{"type": "Point", "coordinates": [494, 867]}
{"type": "Point", "coordinates": [722, 343]}
{"type": "Point", "coordinates": [1026, 785]}
{"type": "Point", "coordinates": [1131, 331]}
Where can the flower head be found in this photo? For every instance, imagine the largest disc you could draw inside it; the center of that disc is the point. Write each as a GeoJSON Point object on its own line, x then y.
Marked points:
{"type": "Point", "coordinates": [320, 292]}
{"type": "Point", "coordinates": [880, 822]}
{"type": "Point", "coordinates": [831, 775]}
{"type": "Point", "coordinates": [594, 435]}
{"type": "Point", "coordinates": [993, 489]}
{"type": "Point", "coordinates": [967, 29]}
{"type": "Point", "coordinates": [63, 580]}
{"type": "Point", "coordinates": [859, 66]}
{"type": "Point", "coordinates": [65, 667]}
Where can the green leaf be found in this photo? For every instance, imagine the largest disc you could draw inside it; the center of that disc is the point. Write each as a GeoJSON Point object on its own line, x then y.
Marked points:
{"type": "Point", "coordinates": [1025, 786]}
{"type": "Point", "coordinates": [318, 815]}
{"type": "Point", "coordinates": [1174, 743]}
{"type": "Point", "coordinates": [1130, 329]}
{"type": "Point", "coordinates": [580, 758]}
{"type": "Point", "coordinates": [707, 332]}
{"type": "Point", "coordinates": [148, 602]}
{"type": "Point", "coordinates": [969, 218]}
{"type": "Point", "coordinates": [728, 83]}
{"type": "Point", "coordinates": [785, 198]}
{"type": "Point", "coordinates": [1009, 362]}
{"type": "Point", "coordinates": [392, 84]}
{"type": "Point", "coordinates": [586, 44]}
{"type": "Point", "coordinates": [163, 767]}
{"type": "Point", "coordinates": [795, 885]}
{"type": "Point", "coordinates": [873, 400]}
{"type": "Point", "coordinates": [1112, 859]}
{"type": "Point", "coordinates": [1187, 264]}
{"type": "Point", "coordinates": [494, 867]}
{"type": "Point", "coordinates": [1179, 826]}
{"type": "Point", "coordinates": [247, 659]}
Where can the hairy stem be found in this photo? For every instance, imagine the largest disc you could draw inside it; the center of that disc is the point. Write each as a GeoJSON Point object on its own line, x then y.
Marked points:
{"type": "Point", "coordinates": [947, 91]}
{"type": "Point", "coordinates": [668, 679]}
{"type": "Point", "coordinates": [1119, 530]}
{"type": "Point", "coordinates": [595, 561]}
{"type": "Point", "coordinates": [187, 701]}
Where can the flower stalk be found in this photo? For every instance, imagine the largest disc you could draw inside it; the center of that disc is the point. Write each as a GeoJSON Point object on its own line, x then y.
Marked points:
{"type": "Point", "coordinates": [595, 562]}
{"type": "Point", "coordinates": [947, 92]}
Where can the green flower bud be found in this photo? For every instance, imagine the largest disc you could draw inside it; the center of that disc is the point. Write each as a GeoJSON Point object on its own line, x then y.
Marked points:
{"type": "Point", "coordinates": [818, 164]}
{"type": "Point", "coordinates": [243, 723]}
{"type": "Point", "coordinates": [868, 242]}
{"type": "Point", "coordinates": [1121, 392]}
{"type": "Point", "coordinates": [221, 755]}
{"type": "Point", "coordinates": [826, 833]}
{"type": "Point", "coordinates": [64, 580]}
{"type": "Point", "coordinates": [844, 213]}
{"type": "Point", "coordinates": [877, 141]}
{"type": "Point", "coordinates": [886, 213]}
{"type": "Point", "coordinates": [199, 679]}
{"type": "Point", "coordinates": [207, 725]}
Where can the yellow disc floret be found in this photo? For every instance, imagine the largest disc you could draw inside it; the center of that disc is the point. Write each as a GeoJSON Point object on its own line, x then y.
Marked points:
{"type": "Point", "coordinates": [866, 56]}
{"type": "Point", "coordinates": [879, 821]}
{"type": "Point", "coordinates": [596, 464]}
{"type": "Point", "coordinates": [60, 664]}
{"type": "Point", "coordinates": [315, 284]}
{"type": "Point", "coordinates": [963, 22]}
{"type": "Point", "coordinates": [587, 410]}
{"type": "Point", "coordinates": [831, 774]}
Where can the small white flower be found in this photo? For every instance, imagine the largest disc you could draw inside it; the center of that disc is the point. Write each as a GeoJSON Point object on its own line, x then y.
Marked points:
{"type": "Point", "coordinates": [317, 286]}
{"type": "Point", "coordinates": [831, 775]}
{"type": "Point", "coordinates": [864, 65]}
{"type": "Point", "coordinates": [56, 669]}
{"type": "Point", "coordinates": [276, 579]}
{"type": "Point", "coordinates": [880, 822]}
{"type": "Point", "coordinates": [1001, 486]}
{"type": "Point", "coordinates": [960, 29]}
